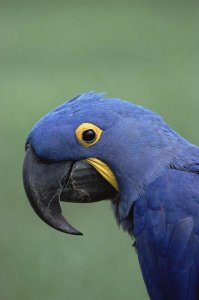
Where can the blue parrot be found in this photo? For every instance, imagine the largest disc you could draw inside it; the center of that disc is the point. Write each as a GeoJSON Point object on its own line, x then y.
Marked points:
{"type": "Point", "coordinates": [92, 148]}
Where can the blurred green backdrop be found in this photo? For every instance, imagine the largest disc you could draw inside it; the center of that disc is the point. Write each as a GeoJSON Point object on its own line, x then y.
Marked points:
{"type": "Point", "coordinates": [50, 51]}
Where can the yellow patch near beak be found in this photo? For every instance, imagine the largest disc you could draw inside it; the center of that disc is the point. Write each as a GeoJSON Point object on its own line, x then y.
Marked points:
{"type": "Point", "coordinates": [104, 170]}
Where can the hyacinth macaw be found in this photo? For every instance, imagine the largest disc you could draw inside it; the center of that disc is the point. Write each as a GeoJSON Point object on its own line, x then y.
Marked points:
{"type": "Point", "coordinates": [92, 148]}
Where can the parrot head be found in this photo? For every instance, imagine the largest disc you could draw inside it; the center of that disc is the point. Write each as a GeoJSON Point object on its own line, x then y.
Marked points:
{"type": "Point", "coordinates": [92, 149]}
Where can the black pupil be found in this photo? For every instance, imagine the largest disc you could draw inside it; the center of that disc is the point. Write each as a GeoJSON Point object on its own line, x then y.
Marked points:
{"type": "Point", "coordinates": [89, 136]}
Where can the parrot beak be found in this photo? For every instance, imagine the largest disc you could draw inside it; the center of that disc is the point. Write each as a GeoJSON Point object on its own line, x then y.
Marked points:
{"type": "Point", "coordinates": [46, 184]}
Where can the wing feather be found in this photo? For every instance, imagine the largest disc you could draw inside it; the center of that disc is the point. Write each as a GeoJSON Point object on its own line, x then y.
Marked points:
{"type": "Point", "coordinates": [167, 237]}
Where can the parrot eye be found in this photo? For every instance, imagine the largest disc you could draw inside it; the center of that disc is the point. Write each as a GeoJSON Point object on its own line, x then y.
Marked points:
{"type": "Point", "coordinates": [88, 134]}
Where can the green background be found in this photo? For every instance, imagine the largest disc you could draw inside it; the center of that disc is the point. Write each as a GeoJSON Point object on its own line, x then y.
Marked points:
{"type": "Point", "coordinates": [50, 51]}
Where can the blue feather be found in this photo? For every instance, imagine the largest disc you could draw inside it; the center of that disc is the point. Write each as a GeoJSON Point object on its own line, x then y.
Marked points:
{"type": "Point", "coordinates": [168, 247]}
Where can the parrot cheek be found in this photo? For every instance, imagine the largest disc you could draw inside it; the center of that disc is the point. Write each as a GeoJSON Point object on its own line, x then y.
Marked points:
{"type": "Point", "coordinates": [47, 183]}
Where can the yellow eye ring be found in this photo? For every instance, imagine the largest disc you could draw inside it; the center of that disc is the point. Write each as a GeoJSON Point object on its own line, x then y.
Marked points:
{"type": "Point", "coordinates": [88, 134]}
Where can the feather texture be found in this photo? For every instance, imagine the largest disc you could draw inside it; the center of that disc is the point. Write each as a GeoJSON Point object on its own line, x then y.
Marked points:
{"type": "Point", "coordinates": [166, 231]}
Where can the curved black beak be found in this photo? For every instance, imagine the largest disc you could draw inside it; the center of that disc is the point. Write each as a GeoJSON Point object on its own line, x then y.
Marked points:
{"type": "Point", "coordinates": [46, 184]}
